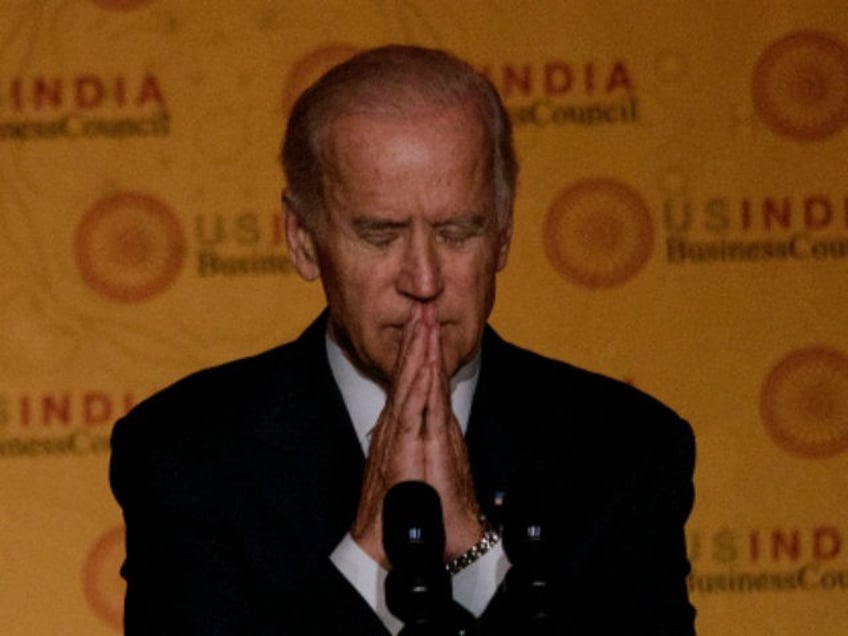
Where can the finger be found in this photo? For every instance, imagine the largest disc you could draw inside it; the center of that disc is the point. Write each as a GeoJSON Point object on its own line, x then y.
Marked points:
{"type": "Point", "coordinates": [435, 355]}
{"type": "Point", "coordinates": [446, 454]}
{"type": "Point", "coordinates": [410, 357]}
{"type": "Point", "coordinates": [407, 456]}
{"type": "Point", "coordinates": [434, 344]}
{"type": "Point", "coordinates": [414, 405]}
{"type": "Point", "coordinates": [411, 330]}
{"type": "Point", "coordinates": [439, 409]}
{"type": "Point", "coordinates": [395, 444]}
{"type": "Point", "coordinates": [409, 360]}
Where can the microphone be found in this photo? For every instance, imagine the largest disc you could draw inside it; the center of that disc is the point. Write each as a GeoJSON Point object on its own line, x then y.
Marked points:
{"type": "Point", "coordinates": [526, 540]}
{"type": "Point", "coordinates": [418, 587]}
{"type": "Point", "coordinates": [413, 531]}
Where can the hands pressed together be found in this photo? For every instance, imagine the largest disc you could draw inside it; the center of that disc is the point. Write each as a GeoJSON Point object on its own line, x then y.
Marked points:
{"type": "Point", "coordinates": [417, 437]}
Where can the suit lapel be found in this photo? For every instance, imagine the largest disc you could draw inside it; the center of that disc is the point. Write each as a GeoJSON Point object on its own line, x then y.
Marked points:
{"type": "Point", "coordinates": [315, 462]}
{"type": "Point", "coordinates": [488, 436]}
{"type": "Point", "coordinates": [505, 431]}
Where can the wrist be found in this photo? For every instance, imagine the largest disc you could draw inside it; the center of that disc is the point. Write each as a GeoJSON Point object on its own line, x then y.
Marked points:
{"type": "Point", "coordinates": [488, 539]}
{"type": "Point", "coordinates": [461, 536]}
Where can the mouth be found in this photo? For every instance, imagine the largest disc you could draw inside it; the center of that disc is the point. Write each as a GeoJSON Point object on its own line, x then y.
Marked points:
{"type": "Point", "coordinates": [400, 326]}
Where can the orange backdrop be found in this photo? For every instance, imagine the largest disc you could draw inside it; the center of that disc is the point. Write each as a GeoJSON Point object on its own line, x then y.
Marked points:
{"type": "Point", "coordinates": [682, 223]}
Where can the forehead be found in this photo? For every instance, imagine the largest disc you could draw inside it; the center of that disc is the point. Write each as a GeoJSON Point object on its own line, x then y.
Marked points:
{"type": "Point", "coordinates": [423, 144]}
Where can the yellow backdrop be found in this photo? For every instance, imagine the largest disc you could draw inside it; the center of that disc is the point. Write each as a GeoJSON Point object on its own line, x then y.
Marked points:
{"type": "Point", "coordinates": [682, 223]}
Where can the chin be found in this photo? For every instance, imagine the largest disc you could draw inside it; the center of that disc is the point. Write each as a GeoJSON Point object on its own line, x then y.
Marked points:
{"type": "Point", "coordinates": [457, 351]}
{"type": "Point", "coordinates": [381, 366]}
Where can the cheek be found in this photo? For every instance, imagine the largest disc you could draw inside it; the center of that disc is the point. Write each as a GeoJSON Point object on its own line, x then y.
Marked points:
{"type": "Point", "coordinates": [479, 277]}
{"type": "Point", "coordinates": [472, 294]}
{"type": "Point", "coordinates": [348, 274]}
{"type": "Point", "coordinates": [366, 295]}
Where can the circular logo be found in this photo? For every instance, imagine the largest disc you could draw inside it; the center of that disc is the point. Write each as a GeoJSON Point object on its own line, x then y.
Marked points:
{"type": "Point", "coordinates": [103, 586]}
{"type": "Point", "coordinates": [800, 86]}
{"type": "Point", "coordinates": [129, 247]}
{"type": "Point", "coordinates": [598, 233]}
{"type": "Point", "coordinates": [804, 402]}
{"type": "Point", "coordinates": [308, 69]}
{"type": "Point", "coordinates": [122, 5]}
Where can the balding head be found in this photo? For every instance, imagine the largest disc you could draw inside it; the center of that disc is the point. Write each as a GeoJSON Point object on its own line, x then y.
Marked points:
{"type": "Point", "coordinates": [391, 81]}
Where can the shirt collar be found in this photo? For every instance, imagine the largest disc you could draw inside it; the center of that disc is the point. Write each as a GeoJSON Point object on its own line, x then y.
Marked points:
{"type": "Point", "coordinates": [365, 399]}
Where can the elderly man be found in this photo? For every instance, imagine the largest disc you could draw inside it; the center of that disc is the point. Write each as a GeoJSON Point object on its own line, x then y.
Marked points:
{"type": "Point", "coordinates": [253, 492]}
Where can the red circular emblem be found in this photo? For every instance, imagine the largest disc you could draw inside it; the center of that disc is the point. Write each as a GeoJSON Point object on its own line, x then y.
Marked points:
{"type": "Point", "coordinates": [800, 86]}
{"type": "Point", "coordinates": [103, 586]}
{"type": "Point", "coordinates": [129, 247]}
{"type": "Point", "coordinates": [598, 233]}
{"type": "Point", "coordinates": [804, 402]}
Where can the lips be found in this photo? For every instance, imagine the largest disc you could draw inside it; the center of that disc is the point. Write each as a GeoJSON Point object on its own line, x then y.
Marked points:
{"type": "Point", "coordinates": [400, 326]}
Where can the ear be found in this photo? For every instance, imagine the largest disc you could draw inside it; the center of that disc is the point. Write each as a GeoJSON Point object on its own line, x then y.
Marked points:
{"type": "Point", "coordinates": [504, 241]}
{"type": "Point", "coordinates": [301, 243]}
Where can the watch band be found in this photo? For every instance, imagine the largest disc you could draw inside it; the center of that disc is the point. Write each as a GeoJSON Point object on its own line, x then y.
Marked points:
{"type": "Point", "coordinates": [488, 541]}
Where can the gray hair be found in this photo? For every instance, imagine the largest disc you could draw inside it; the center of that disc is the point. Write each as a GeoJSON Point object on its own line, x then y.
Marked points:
{"type": "Point", "coordinates": [393, 80]}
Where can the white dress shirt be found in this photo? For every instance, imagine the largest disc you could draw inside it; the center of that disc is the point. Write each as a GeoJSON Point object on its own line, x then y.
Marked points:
{"type": "Point", "coordinates": [474, 586]}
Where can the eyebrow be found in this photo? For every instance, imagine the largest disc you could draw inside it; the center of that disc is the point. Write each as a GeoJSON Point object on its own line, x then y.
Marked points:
{"type": "Point", "coordinates": [371, 224]}
{"type": "Point", "coordinates": [474, 221]}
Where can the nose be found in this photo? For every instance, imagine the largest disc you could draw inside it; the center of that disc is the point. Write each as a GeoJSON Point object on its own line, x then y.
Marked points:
{"type": "Point", "coordinates": [420, 276]}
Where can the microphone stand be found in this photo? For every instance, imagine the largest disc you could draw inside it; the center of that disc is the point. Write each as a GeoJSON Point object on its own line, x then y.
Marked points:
{"type": "Point", "coordinates": [418, 587]}
{"type": "Point", "coordinates": [529, 581]}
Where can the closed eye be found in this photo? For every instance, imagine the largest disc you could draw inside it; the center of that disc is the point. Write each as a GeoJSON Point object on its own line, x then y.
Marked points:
{"type": "Point", "coordinates": [379, 239]}
{"type": "Point", "coordinates": [458, 231]}
{"type": "Point", "coordinates": [456, 237]}
{"type": "Point", "coordinates": [376, 232]}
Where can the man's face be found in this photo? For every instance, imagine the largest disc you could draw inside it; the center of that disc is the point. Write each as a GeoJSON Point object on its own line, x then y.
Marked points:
{"type": "Point", "coordinates": [409, 219]}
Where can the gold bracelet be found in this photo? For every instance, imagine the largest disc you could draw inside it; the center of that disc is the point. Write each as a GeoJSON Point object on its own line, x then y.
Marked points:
{"type": "Point", "coordinates": [488, 541]}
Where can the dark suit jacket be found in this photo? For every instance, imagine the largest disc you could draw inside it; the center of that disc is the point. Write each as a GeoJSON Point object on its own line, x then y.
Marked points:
{"type": "Point", "coordinates": [238, 482]}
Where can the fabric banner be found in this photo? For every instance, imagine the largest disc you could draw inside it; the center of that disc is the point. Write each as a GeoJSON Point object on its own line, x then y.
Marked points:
{"type": "Point", "coordinates": [681, 224]}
